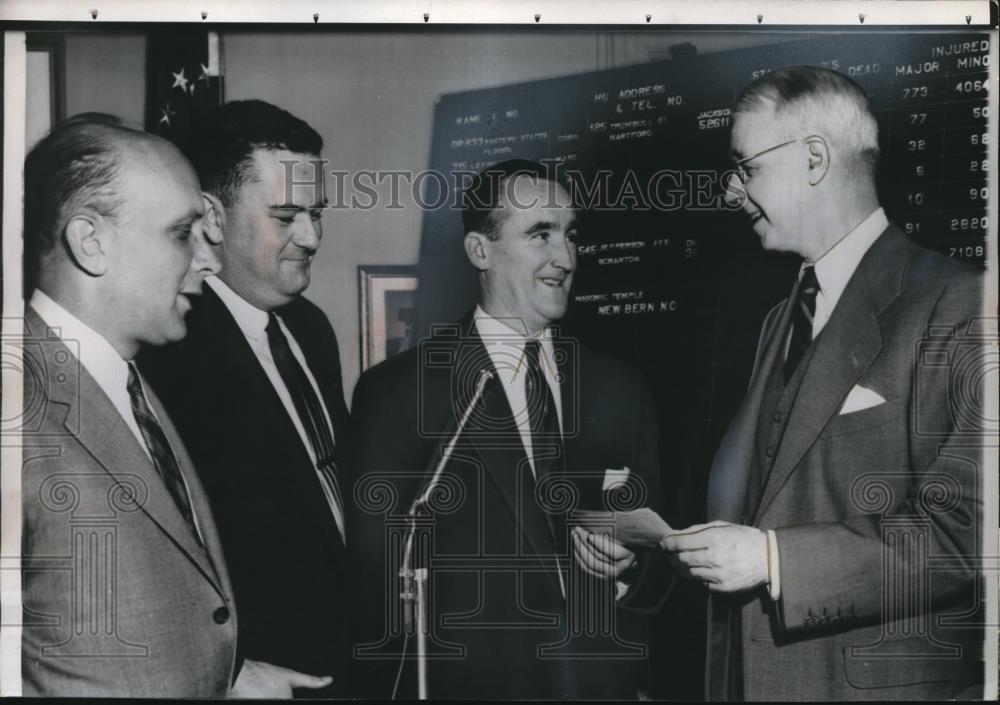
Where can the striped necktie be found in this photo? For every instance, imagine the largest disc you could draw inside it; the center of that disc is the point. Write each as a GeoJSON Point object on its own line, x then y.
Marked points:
{"type": "Point", "coordinates": [159, 448]}
{"type": "Point", "coordinates": [310, 411]}
{"type": "Point", "coordinates": [542, 414]}
{"type": "Point", "coordinates": [802, 321]}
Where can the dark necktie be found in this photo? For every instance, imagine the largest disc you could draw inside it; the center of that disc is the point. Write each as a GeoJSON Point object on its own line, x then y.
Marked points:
{"type": "Point", "coordinates": [546, 440]}
{"type": "Point", "coordinates": [542, 413]}
{"type": "Point", "coordinates": [159, 448]}
{"type": "Point", "coordinates": [802, 321]}
{"type": "Point", "coordinates": [310, 411]}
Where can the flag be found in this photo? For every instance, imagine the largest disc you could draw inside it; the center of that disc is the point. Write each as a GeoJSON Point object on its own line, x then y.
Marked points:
{"type": "Point", "coordinates": [183, 81]}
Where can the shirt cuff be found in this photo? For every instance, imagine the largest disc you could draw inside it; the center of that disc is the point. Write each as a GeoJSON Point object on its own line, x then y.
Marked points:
{"type": "Point", "coordinates": [621, 588]}
{"type": "Point", "coordinates": [626, 580]}
{"type": "Point", "coordinates": [773, 567]}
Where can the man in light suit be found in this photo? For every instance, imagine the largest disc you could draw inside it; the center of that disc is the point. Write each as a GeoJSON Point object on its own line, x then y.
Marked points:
{"type": "Point", "coordinates": [255, 390]}
{"type": "Point", "coordinates": [125, 589]}
{"type": "Point", "coordinates": [547, 419]}
{"type": "Point", "coordinates": [841, 558]}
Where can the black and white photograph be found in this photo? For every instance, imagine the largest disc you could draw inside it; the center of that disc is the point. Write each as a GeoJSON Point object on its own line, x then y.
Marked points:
{"type": "Point", "coordinates": [485, 351]}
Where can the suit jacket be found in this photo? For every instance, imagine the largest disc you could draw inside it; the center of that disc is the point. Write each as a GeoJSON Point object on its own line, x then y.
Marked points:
{"type": "Point", "coordinates": [500, 625]}
{"type": "Point", "coordinates": [120, 599]}
{"type": "Point", "coordinates": [876, 512]}
{"type": "Point", "coordinates": [285, 554]}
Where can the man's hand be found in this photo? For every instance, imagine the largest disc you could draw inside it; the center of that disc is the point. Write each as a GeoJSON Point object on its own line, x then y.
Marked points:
{"type": "Point", "coordinates": [264, 680]}
{"type": "Point", "coordinates": [600, 555]}
{"type": "Point", "coordinates": [725, 557]}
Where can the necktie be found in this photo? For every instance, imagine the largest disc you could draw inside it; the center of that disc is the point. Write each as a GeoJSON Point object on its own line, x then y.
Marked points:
{"type": "Point", "coordinates": [542, 413]}
{"type": "Point", "coordinates": [310, 411]}
{"type": "Point", "coordinates": [159, 448]}
{"type": "Point", "coordinates": [802, 320]}
{"type": "Point", "coordinates": [545, 436]}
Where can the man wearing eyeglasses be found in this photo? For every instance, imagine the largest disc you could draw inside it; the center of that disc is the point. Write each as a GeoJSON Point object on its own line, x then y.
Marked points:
{"type": "Point", "coordinates": [843, 500]}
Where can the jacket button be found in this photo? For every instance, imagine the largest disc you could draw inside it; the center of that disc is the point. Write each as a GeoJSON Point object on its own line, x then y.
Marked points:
{"type": "Point", "coordinates": [221, 615]}
{"type": "Point", "coordinates": [771, 450]}
{"type": "Point", "coordinates": [779, 417]}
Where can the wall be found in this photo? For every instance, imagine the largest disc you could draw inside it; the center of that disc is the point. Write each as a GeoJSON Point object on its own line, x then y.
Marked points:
{"type": "Point", "coordinates": [106, 73]}
{"type": "Point", "coordinates": [371, 95]}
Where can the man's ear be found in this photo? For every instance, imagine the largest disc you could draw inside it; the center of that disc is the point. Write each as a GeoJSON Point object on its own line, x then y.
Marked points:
{"type": "Point", "coordinates": [477, 249]}
{"type": "Point", "coordinates": [87, 239]}
{"type": "Point", "coordinates": [819, 158]}
{"type": "Point", "coordinates": [214, 222]}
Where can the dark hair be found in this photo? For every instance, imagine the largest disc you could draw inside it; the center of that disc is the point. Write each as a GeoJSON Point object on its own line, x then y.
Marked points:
{"type": "Point", "coordinates": [482, 199]}
{"type": "Point", "coordinates": [221, 146]}
{"type": "Point", "coordinates": [77, 164]}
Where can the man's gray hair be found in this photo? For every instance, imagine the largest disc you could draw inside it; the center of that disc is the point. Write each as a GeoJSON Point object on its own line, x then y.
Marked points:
{"type": "Point", "coordinates": [815, 100]}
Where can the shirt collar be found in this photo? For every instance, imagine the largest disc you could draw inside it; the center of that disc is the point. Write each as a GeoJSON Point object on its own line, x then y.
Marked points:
{"type": "Point", "coordinates": [509, 329]}
{"type": "Point", "coordinates": [251, 320]}
{"type": "Point", "coordinates": [836, 266]}
{"type": "Point", "coordinates": [497, 334]}
{"type": "Point", "coordinates": [95, 353]}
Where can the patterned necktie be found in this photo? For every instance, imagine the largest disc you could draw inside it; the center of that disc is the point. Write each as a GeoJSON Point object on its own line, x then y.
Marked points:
{"type": "Point", "coordinates": [802, 321]}
{"type": "Point", "coordinates": [546, 439]}
{"type": "Point", "coordinates": [159, 448]}
{"type": "Point", "coordinates": [542, 413]}
{"type": "Point", "coordinates": [310, 411]}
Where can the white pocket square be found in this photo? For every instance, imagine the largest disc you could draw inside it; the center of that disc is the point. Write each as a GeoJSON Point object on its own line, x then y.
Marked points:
{"type": "Point", "coordinates": [859, 399]}
{"type": "Point", "coordinates": [615, 478]}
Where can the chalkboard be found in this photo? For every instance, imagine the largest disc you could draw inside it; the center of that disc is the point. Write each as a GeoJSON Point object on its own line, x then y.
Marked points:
{"type": "Point", "coordinates": [680, 288]}
{"type": "Point", "coordinates": [672, 281]}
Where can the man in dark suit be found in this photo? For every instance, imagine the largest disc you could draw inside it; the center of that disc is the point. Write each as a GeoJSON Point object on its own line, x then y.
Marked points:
{"type": "Point", "coordinates": [256, 392]}
{"type": "Point", "coordinates": [841, 562]}
{"type": "Point", "coordinates": [125, 590]}
{"type": "Point", "coordinates": [527, 425]}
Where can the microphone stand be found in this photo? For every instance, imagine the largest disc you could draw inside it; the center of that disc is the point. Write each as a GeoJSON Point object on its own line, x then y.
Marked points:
{"type": "Point", "coordinates": [414, 592]}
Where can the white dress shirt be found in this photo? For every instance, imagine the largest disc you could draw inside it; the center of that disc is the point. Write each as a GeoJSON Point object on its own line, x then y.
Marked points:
{"type": "Point", "coordinates": [834, 270]}
{"type": "Point", "coordinates": [836, 266]}
{"type": "Point", "coordinates": [105, 365]}
{"type": "Point", "coordinates": [97, 356]}
{"type": "Point", "coordinates": [504, 342]}
{"type": "Point", "coordinates": [505, 345]}
{"type": "Point", "coordinates": [252, 322]}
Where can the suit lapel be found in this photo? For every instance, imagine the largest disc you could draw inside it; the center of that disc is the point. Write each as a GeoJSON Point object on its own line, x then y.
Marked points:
{"type": "Point", "coordinates": [848, 344]}
{"type": "Point", "coordinates": [95, 423]}
{"type": "Point", "coordinates": [263, 409]}
{"type": "Point", "coordinates": [570, 374]}
{"type": "Point", "coordinates": [199, 500]}
{"type": "Point", "coordinates": [503, 454]}
{"type": "Point", "coordinates": [324, 363]}
{"type": "Point", "coordinates": [731, 466]}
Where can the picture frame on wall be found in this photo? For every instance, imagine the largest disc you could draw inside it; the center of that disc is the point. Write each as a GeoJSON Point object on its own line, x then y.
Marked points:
{"type": "Point", "coordinates": [387, 297]}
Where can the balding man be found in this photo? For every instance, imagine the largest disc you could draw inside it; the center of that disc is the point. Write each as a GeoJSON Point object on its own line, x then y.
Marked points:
{"type": "Point", "coordinates": [125, 590]}
{"type": "Point", "coordinates": [843, 476]}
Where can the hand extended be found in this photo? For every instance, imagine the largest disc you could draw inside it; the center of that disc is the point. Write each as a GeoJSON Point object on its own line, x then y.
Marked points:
{"type": "Point", "coordinates": [264, 680]}
{"type": "Point", "coordinates": [725, 557]}
{"type": "Point", "coordinates": [600, 555]}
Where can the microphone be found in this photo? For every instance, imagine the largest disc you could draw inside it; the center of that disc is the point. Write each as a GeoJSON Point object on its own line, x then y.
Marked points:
{"type": "Point", "coordinates": [485, 376]}
{"type": "Point", "coordinates": [414, 580]}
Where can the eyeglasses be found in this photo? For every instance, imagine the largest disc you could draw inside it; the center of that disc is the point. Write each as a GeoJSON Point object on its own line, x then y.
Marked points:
{"type": "Point", "coordinates": [742, 173]}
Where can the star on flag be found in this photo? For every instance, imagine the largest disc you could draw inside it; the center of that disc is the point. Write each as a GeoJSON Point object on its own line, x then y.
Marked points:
{"type": "Point", "coordinates": [165, 115]}
{"type": "Point", "coordinates": [180, 81]}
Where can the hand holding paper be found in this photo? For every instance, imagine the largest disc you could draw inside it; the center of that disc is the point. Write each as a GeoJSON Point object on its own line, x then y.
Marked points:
{"type": "Point", "coordinates": [599, 555]}
{"type": "Point", "coordinates": [725, 557]}
{"type": "Point", "coordinates": [638, 528]}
